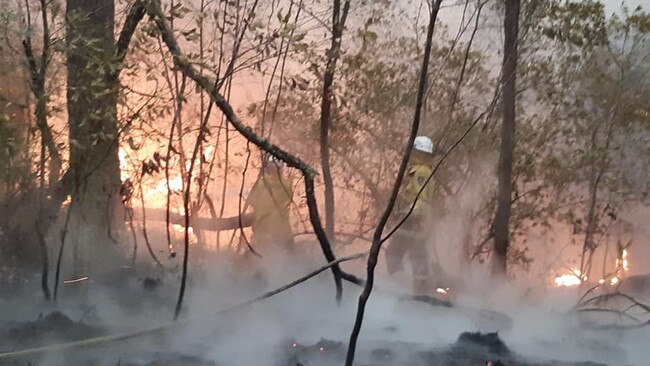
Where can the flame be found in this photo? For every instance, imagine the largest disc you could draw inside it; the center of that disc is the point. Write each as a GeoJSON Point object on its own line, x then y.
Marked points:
{"type": "Point", "coordinates": [208, 153]}
{"type": "Point", "coordinates": [574, 278]}
{"type": "Point", "coordinates": [175, 185]}
{"type": "Point", "coordinates": [124, 165]}
{"type": "Point", "coordinates": [622, 266]}
{"type": "Point", "coordinates": [443, 291]}
{"type": "Point", "coordinates": [623, 262]}
{"type": "Point", "coordinates": [181, 229]}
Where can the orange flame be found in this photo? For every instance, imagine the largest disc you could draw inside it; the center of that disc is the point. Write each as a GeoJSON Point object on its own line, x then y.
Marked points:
{"type": "Point", "coordinates": [574, 278]}
{"type": "Point", "coordinates": [442, 291]}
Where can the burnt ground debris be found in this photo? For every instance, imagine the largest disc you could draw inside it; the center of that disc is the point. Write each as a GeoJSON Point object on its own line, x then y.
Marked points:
{"type": "Point", "coordinates": [471, 348]}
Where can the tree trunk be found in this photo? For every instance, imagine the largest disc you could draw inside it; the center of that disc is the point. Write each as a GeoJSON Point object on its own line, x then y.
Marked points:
{"type": "Point", "coordinates": [338, 22]}
{"type": "Point", "coordinates": [508, 84]}
{"type": "Point", "coordinates": [589, 246]}
{"type": "Point", "coordinates": [92, 95]}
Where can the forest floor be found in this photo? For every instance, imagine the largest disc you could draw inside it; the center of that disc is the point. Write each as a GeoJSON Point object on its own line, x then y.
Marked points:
{"type": "Point", "coordinates": [303, 326]}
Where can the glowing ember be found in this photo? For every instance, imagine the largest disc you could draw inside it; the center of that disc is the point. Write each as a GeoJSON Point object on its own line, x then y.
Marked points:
{"type": "Point", "coordinates": [613, 281]}
{"type": "Point", "coordinates": [443, 291]}
{"type": "Point", "coordinates": [175, 185]}
{"type": "Point", "coordinates": [322, 349]}
{"type": "Point", "coordinates": [181, 229]}
{"type": "Point", "coordinates": [76, 280]}
{"type": "Point", "coordinates": [124, 165]}
{"type": "Point", "coordinates": [294, 345]}
{"type": "Point", "coordinates": [209, 151]}
{"type": "Point", "coordinates": [623, 262]}
{"type": "Point", "coordinates": [569, 280]}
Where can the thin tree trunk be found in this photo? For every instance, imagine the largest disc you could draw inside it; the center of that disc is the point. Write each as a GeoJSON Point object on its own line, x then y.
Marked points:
{"type": "Point", "coordinates": [338, 22]}
{"type": "Point", "coordinates": [504, 194]}
{"type": "Point", "coordinates": [37, 76]}
{"type": "Point", "coordinates": [377, 237]}
{"type": "Point", "coordinates": [44, 260]}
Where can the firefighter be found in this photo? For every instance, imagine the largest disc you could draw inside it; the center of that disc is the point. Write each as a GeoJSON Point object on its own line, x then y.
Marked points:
{"type": "Point", "coordinates": [270, 199]}
{"type": "Point", "coordinates": [411, 238]}
{"type": "Point", "coordinates": [272, 237]}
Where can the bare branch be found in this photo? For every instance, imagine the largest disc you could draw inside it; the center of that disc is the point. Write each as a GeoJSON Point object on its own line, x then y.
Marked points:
{"type": "Point", "coordinates": [133, 18]}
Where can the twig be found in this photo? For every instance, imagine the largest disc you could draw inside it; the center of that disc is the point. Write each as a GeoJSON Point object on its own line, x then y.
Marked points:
{"type": "Point", "coordinates": [241, 193]}
{"type": "Point", "coordinates": [129, 211]}
{"type": "Point", "coordinates": [585, 295]}
{"type": "Point", "coordinates": [282, 69]}
{"type": "Point", "coordinates": [144, 229]}
{"type": "Point", "coordinates": [45, 270]}
{"type": "Point", "coordinates": [64, 233]}
{"type": "Point", "coordinates": [607, 310]}
{"type": "Point", "coordinates": [606, 297]}
{"type": "Point", "coordinates": [177, 113]}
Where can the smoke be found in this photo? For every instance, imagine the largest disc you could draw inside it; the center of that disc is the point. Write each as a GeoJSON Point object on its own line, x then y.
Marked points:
{"type": "Point", "coordinates": [542, 327]}
{"type": "Point", "coordinates": [536, 322]}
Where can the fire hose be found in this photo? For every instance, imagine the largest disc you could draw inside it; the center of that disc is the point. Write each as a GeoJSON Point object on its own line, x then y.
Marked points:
{"type": "Point", "coordinates": [142, 332]}
{"type": "Point", "coordinates": [201, 223]}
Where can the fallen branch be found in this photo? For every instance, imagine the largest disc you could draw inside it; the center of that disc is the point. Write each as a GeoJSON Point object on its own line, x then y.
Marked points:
{"type": "Point", "coordinates": [606, 297]}
{"type": "Point", "coordinates": [598, 304]}
{"type": "Point", "coordinates": [121, 337]}
{"type": "Point", "coordinates": [584, 296]}
{"type": "Point", "coordinates": [610, 311]}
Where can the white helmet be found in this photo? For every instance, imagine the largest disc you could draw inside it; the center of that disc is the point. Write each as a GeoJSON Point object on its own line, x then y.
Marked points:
{"type": "Point", "coordinates": [424, 144]}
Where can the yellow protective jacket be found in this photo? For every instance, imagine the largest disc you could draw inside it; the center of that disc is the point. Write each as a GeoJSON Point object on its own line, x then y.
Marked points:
{"type": "Point", "coordinates": [416, 176]}
{"type": "Point", "coordinates": [270, 199]}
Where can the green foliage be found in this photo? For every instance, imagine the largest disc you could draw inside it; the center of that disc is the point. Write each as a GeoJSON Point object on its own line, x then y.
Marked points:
{"type": "Point", "coordinates": [14, 167]}
{"type": "Point", "coordinates": [581, 23]}
{"type": "Point", "coordinates": [589, 129]}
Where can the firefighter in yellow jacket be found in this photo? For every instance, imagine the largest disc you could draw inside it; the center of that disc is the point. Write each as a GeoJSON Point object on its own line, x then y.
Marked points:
{"type": "Point", "coordinates": [270, 198]}
{"type": "Point", "coordinates": [411, 238]}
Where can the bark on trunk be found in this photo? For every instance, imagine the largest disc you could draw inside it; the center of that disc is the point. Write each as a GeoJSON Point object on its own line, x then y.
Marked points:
{"type": "Point", "coordinates": [338, 22]}
{"type": "Point", "coordinates": [589, 246]}
{"type": "Point", "coordinates": [92, 94]}
{"type": "Point", "coordinates": [504, 194]}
